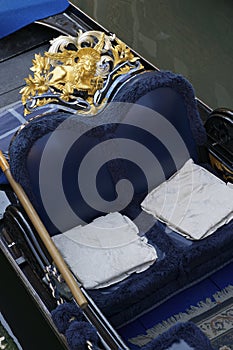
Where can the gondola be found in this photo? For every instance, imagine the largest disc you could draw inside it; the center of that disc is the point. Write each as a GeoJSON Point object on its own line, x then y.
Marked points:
{"type": "Point", "coordinates": [89, 90]}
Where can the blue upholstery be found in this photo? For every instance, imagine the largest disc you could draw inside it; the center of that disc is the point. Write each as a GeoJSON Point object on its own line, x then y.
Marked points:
{"type": "Point", "coordinates": [17, 14]}
{"type": "Point", "coordinates": [74, 198]}
{"type": "Point", "coordinates": [172, 104]}
{"type": "Point", "coordinates": [161, 113]}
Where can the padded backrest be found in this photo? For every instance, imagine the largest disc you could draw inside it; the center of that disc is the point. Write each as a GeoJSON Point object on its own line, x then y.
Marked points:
{"type": "Point", "coordinates": [71, 165]}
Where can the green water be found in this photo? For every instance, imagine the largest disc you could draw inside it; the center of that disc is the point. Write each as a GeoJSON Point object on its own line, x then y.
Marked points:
{"type": "Point", "coordinates": [190, 37]}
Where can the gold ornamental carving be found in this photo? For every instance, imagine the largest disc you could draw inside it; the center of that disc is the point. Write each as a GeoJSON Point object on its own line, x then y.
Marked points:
{"type": "Point", "coordinates": [77, 72]}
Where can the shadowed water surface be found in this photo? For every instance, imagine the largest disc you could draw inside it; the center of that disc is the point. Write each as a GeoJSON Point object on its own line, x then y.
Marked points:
{"type": "Point", "coordinates": [193, 38]}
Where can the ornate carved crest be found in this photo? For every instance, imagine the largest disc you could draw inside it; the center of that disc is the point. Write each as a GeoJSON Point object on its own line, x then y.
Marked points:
{"type": "Point", "coordinates": [78, 73]}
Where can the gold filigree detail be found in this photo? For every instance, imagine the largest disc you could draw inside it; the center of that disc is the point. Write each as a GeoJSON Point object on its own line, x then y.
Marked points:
{"type": "Point", "coordinates": [122, 53]}
{"type": "Point", "coordinates": [66, 75]}
{"type": "Point", "coordinates": [124, 70]}
{"type": "Point", "coordinates": [226, 173]}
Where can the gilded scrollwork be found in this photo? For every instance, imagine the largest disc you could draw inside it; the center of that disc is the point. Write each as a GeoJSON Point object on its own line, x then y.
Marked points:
{"type": "Point", "coordinates": [224, 171]}
{"type": "Point", "coordinates": [74, 69]}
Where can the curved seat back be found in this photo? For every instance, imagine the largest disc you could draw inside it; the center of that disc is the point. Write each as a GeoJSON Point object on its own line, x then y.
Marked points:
{"type": "Point", "coordinates": [71, 165]}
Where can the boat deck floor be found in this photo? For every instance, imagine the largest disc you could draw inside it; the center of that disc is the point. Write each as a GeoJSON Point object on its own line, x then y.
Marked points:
{"type": "Point", "coordinates": [16, 53]}
{"type": "Point", "coordinates": [179, 303]}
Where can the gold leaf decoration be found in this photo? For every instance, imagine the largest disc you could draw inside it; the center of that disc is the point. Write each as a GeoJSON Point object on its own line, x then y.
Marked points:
{"type": "Point", "coordinates": [71, 73]}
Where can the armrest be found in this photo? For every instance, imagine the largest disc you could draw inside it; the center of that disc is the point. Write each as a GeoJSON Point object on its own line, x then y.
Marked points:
{"type": "Point", "coordinates": [219, 128]}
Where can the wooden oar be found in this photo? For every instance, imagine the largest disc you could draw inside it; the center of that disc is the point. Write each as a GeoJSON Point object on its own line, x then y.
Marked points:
{"type": "Point", "coordinates": [108, 335]}
{"type": "Point", "coordinates": [44, 235]}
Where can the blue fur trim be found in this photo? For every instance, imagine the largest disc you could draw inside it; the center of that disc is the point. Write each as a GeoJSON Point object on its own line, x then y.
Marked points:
{"type": "Point", "coordinates": [23, 142]}
{"type": "Point", "coordinates": [78, 333]}
{"type": "Point", "coordinates": [187, 331]}
{"type": "Point", "coordinates": [65, 314]}
{"type": "Point", "coordinates": [150, 81]}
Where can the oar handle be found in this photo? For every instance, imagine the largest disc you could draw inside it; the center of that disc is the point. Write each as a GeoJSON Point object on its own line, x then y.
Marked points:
{"type": "Point", "coordinates": [3, 162]}
{"type": "Point", "coordinates": [44, 235]}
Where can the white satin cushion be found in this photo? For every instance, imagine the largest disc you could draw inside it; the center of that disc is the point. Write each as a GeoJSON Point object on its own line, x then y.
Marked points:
{"type": "Point", "coordinates": [105, 251]}
{"type": "Point", "coordinates": [193, 202]}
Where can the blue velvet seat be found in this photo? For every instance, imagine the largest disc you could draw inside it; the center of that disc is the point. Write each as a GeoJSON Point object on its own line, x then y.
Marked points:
{"type": "Point", "coordinates": [147, 132]}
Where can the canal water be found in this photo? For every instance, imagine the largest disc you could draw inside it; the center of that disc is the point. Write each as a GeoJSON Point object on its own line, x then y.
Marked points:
{"type": "Point", "coordinates": [193, 38]}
